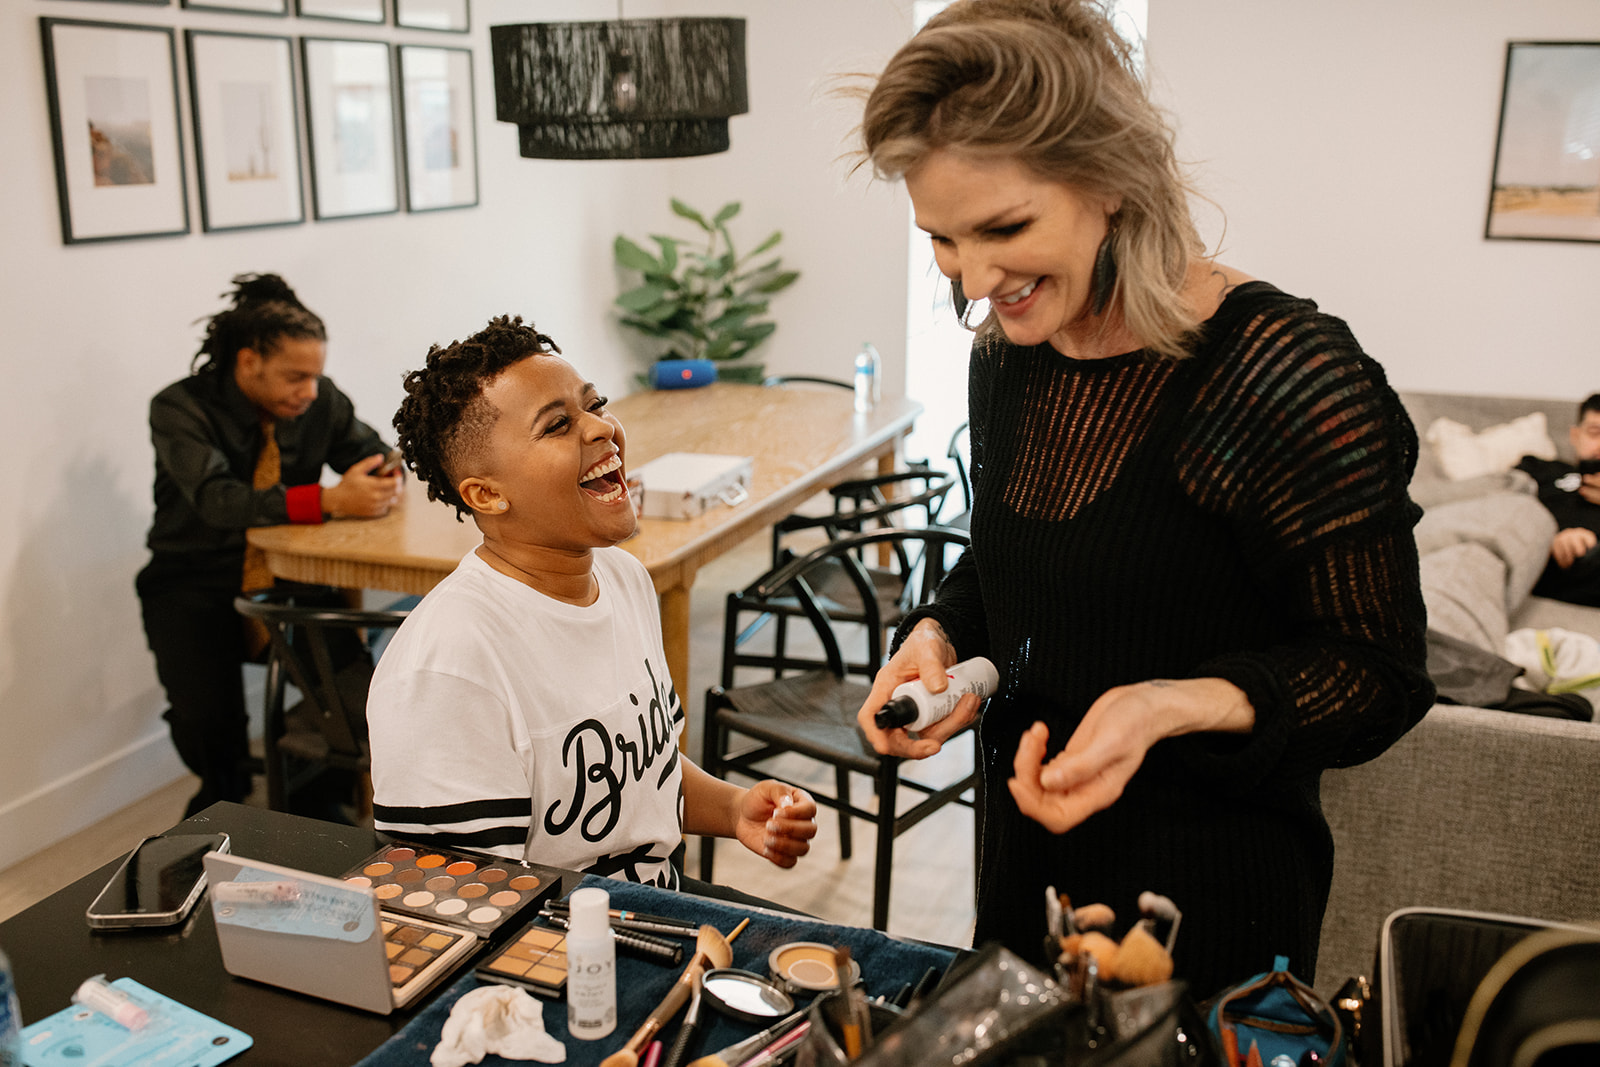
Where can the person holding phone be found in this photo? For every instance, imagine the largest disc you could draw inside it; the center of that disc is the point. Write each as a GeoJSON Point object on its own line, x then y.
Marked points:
{"type": "Point", "coordinates": [1571, 493]}
{"type": "Point", "coordinates": [242, 442]}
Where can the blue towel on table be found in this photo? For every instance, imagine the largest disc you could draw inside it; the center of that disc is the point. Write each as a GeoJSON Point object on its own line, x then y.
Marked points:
{"type": "Point", "coordinates": [886, 965]}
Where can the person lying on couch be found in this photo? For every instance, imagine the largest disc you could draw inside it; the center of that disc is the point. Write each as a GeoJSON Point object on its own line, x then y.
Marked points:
{"type": "Point", "coordinates": [1572, 495]}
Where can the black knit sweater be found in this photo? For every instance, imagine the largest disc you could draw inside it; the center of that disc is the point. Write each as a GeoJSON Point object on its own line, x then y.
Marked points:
{"type": "Point", "coordinates": [1239, 514]}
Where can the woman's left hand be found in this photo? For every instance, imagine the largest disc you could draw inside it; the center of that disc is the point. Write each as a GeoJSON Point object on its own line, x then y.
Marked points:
{"type": "Point", "coordinates": [777, 821]}
{"type": "Point", "coordinates": [1090, 773]}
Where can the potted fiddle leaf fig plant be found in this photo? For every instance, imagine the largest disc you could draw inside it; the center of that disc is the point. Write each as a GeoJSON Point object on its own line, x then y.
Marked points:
{"type": "Point", "coordinates": [700, 297]}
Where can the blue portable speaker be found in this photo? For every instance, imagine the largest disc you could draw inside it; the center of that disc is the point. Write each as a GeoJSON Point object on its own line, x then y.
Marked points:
{"type": "Point", "coordinates": [682, 373]}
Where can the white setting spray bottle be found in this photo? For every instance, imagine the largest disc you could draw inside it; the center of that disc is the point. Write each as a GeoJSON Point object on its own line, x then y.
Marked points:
{"type": "Point", "coordinates": [912, 706]}
{"type": "Point", "coordinates": [591, 966]}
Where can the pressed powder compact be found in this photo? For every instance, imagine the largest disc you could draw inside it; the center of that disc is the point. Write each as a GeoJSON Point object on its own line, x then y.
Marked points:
{"type": "Point", "coordinates": [477, 892]}
{"type": "Point", "coordinates": [535, 959]}
{"type": "Point", "coordinates": [806, 967]}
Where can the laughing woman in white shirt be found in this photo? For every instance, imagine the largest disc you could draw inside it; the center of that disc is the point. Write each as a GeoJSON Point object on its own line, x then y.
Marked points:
{"type": "Point", "coordinates": [524, 708]}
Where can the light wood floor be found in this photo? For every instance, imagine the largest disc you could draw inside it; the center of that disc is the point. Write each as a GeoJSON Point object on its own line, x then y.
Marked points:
{"type": "Point", "coordinates": [933, 870]}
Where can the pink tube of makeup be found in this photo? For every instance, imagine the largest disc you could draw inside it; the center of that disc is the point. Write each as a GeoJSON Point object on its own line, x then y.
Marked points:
{"type": "Point", "coordinates": [103, 997]}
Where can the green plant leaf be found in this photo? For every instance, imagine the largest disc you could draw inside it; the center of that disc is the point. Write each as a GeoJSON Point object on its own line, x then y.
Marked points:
{"type": "Point", "coordinates": [683, 210]}
{"type": "Point", "coordinates": [633, 257]}
{"type": "Point", "coordinates": [765, 268]}
{"type": "Point", "coordinates": [756, 333]}
{"type": "Point", "coordinates": [669, 251]}
{"type": "Point", "coordinates": [644, 326]}
{"type": "Point", "coordinates": [644, 297]}
{"type": "Point", "coordinates": [727, 212]}
{"type": "Point", "coordinates": [777, 235]}
{"type": "Point", "coordinates": [720, 348]}
{"type": "Point", "coordinates": [778, 282]}
{"type": "Point", "coordinates": [730, 320]}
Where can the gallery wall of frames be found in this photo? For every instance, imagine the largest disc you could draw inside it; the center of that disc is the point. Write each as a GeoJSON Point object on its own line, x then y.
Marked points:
{"type": "Point", "coordinates": [350, 119]}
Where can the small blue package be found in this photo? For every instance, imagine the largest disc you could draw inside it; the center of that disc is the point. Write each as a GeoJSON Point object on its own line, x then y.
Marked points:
{"type": "Point", "coordinates": [175, 1036]}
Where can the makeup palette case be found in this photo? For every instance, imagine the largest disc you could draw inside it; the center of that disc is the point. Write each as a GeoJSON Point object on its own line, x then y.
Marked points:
{"type": "Point", "coordinates": [329, 937]}
{"type": "Point", "coordinates": [685, 485]}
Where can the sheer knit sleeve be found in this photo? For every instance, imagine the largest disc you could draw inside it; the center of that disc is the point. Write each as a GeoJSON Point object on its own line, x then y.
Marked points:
{"type": "Point", "coordinates": [958, 604]}
{"type": "Point", "coordinates": [1299, 442]}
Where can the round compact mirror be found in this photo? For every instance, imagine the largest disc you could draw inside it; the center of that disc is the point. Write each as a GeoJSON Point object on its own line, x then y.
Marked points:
{"type": "Point", "coordinates": [744, 995]}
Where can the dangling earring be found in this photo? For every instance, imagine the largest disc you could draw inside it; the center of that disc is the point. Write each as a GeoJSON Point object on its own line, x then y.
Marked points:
{"type": "Point", "coordinates": [1103, 280]}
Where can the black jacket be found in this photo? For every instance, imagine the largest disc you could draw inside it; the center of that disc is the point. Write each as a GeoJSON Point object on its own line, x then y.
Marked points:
{"type": "Point", "coordinates": [207, 436]}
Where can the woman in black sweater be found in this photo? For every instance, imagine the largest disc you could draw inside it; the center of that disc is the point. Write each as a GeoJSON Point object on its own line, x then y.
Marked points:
{"type": "Point", "coordinates": [1192, 554]}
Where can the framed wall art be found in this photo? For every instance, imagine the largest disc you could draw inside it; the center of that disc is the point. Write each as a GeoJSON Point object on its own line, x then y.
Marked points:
{"type": "Point", "coordinates": [436, 107]}
{"type": "Point", "coordinates": [247, 141]}
{"type": "Point", "coordinates": [449, 15]}
{"type": "Point", "coordinates": [1547, 156]}
{"type": "Point", "coordinates": [114, 124]}
{"type": "Point", "coordinates": [344, 10]}
{"type": "Point", "coordinates": [248, 7]}
{"type": "Point", "coordinates": [350, 119]}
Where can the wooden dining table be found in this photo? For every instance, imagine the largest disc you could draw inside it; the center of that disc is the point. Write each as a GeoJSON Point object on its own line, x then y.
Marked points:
{"type": "Point", "coordinates": [801, 440]}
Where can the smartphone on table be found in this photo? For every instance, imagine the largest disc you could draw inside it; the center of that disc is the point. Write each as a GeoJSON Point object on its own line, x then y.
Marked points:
{"type": "Point", "coordinates": [157, 884]}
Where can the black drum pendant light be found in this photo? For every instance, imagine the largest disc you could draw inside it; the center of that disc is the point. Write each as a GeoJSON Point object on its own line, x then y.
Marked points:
{"type": "Point", "coordinates": [628, 89]}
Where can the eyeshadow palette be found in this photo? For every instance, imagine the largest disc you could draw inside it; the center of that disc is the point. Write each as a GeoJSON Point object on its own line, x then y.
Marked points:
{"type": "Point", "coordinates": [535, 959]}
{"type": "Point", "coordinates": [419, 954]}
{"type": "Point", "coordinates": [479, 893]}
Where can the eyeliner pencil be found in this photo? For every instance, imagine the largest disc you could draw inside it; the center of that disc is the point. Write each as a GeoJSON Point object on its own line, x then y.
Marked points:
{"type": "Point", "coordinates": [639, 926]}
{"type": "Point", "coordinates": [634, 943]}
{"type": "Point", "coordinates": [692, 929]}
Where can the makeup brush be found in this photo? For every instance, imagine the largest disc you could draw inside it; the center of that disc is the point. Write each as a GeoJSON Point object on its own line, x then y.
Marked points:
{"type": "Point", "coordinates": [1155, 906]}
{"type": "Point", "coordinates": [1140, 958]}
{"type": "Point", "coordinates": [710, 948]}
{"type": "Point", "coordinates": [741, 1052]}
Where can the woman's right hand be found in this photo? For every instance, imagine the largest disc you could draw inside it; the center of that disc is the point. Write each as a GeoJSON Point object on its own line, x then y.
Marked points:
{"type": "Point", "coordinates": [926, 653]}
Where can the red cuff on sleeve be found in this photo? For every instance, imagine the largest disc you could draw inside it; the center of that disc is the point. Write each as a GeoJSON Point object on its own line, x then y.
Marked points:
{"type": "Point", "coordinates": [305, 503]}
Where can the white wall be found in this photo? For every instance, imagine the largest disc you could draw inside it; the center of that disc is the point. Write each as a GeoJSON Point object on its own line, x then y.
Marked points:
{"type": "Point", "coordinates": [92, 331]}
{"type": "Point", "coordinates": [1350, 145]}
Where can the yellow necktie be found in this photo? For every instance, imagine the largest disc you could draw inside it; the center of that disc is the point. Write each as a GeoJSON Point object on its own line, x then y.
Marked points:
{"type": "Point", "coordinates": [268, 472]}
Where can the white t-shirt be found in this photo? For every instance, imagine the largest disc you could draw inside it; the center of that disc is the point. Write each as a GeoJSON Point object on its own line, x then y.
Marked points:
{"type": "Point", "coordinates": [506, 721]}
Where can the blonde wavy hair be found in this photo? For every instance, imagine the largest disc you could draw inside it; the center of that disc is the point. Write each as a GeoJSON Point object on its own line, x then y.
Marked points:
{"type": "Point", "coordinates": [1051, 84]}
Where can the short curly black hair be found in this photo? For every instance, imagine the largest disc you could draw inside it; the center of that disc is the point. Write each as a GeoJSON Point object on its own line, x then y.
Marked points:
{"type": "Point", "coordinates": [444, 417]}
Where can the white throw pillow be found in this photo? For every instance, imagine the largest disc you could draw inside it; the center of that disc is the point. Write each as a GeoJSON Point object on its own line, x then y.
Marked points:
{"type": "Point", "coordinates": [1464, 454]}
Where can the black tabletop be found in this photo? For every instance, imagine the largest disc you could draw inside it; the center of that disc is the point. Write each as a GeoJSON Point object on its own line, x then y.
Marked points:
{"type": "Point", "coordinates": [52, 948]}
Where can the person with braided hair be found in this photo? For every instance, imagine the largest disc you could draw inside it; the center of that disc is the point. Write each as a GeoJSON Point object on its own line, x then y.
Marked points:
{"type": "Point", "coordinates": [241, 442]}
{"type": "Point", "coordinates": [1192, 554]}
{"type": "Point", "coordinates": [524, 707]}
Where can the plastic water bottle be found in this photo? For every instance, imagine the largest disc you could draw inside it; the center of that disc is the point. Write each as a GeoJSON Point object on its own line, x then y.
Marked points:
{"type": "Point", "coordinates": [591, 966]}
{"type": "Point", "coordinates": [10, 1018]}
{"type": "Point", "coordinates": [869, 378]}
{"type": "Point", "coordinates": [912, 706]}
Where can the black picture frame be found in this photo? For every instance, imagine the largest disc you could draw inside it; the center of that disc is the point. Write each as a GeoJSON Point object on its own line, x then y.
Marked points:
{"type": "Point", "coordinates": [445, 16]}
{"type": "Point", "coordinates": [1545, 184]}
{"type": "Point", "coordinates": [350, 126]}
{"type": "Point", "coordinates": [439, 143]}
{"type": "Point", "coordinates": [120, 172]}
{"type": "Point", "coordinates": [370, 12]}
{"type": "Point", "coordinates": [269, 8]}
{"type": "Point", "coordinates": [246, 130]}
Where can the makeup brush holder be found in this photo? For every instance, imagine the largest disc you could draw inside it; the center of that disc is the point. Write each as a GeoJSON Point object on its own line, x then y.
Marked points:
{"type": "Point", "coordinates": [823, 1045]}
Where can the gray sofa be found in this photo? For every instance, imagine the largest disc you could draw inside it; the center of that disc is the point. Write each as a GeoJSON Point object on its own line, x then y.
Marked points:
{"type": "Point", "coordinates": [1474, 808]}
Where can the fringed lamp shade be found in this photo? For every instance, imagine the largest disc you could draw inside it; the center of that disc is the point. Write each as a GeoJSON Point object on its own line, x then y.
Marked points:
{"type": "Point", "coordinates": [633, 89]}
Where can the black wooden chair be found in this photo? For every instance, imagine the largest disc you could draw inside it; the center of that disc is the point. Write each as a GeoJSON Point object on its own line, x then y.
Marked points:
{"type": "Point", "coordinates": [321, 651]}
{"type": "Point", "coordinates": [812, 713]}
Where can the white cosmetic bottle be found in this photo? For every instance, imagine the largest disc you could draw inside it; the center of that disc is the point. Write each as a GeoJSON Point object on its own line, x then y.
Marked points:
{"type": "Point", "coordinates": [591, 966]}
{"type": "Point", "coordinates": [912, 706]}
